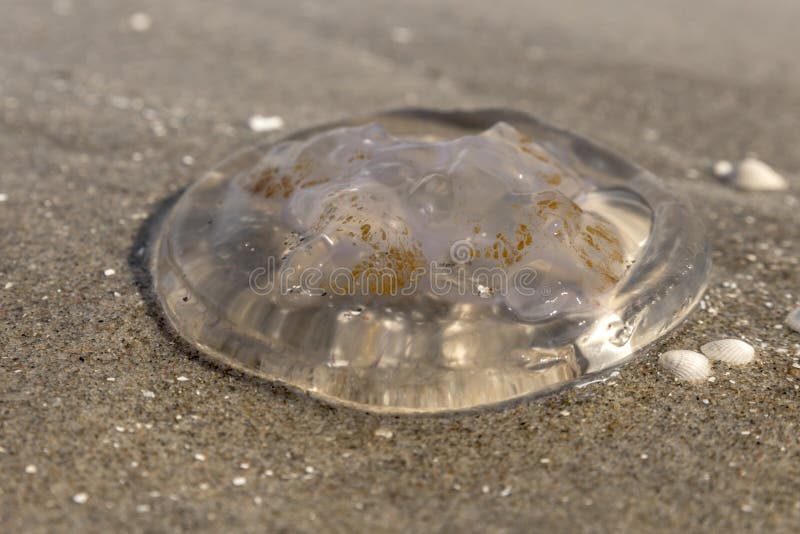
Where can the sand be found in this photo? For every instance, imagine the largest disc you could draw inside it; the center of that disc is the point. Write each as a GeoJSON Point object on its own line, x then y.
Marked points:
{"type": "Point", "coordinates": [109, 421]}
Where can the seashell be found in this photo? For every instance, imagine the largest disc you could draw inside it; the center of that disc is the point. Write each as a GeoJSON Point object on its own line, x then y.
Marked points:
{"type": "Point", "coordinates": [793, 320]}
{"type": "Point", "coordinates": [755, 175]}
{"type": "Point", "coordinates": [732, 351]}
{"type": "Point", "coordinates": [686, 365]}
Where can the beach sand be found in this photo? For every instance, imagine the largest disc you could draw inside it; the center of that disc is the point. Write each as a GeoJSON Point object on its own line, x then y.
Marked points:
{"type": "Point", "coordinates": [104, 118]}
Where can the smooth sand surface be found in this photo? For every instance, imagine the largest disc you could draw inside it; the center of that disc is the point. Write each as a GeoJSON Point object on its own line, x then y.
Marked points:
{"type": "Point", "coordinates": [101, 125]}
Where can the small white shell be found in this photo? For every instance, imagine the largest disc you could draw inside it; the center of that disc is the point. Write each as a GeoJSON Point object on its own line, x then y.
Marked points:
{"type": "Point", "coordinates": [755, 175]}
{"type": "Point", "coordinates": [793, 320]}
{"type": "Point", "coordinates": [722, 169]}
{"type": "Point", "coordinates": [732, 351]}
{"type": "Point", "coordinates": [686, 365]}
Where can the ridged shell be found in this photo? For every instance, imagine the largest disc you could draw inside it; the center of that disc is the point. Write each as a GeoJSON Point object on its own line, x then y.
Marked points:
{"type": "Point", "coordinates": [686, 365]}
{"type": "Point", "coordinates": [755, 175]}
{"type": "Point", "coordinates": [793, 320]}
{"type": "Point", "coordinates": [732, 351]}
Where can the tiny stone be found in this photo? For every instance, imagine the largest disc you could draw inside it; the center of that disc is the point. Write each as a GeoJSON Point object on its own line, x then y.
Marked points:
{"type": "Point", "coordinates": [182, 379]}
{"type": "Point", "coordinates": [188, 161]}
{"type": "Point", "coordinates": [30, 469]}
{"type": "Point", "coordinates": [506, 491]}
{"type": "Point", "coordinates": [3, 197]}
{"type": "Point", "coordinates": [109, 272]}
{"type": "Point", "coordinates": [485, 488]}
{"type": "Point", "coordinates": [257, 500]}
{"type": "Point", "coordinates": [244, 465]}
{"type": "Point", "coordinates": [200, 457]}
{"type": "Point", "coordinates": [8, 285]}
{"type": "Point", "coordinates": [147, 394]}
{"type": "Point", "coordinates": [239, 481]}
{"type": "Point", "coordinates": [80, 498]}
{"type": "Point", "coordinates": [142, 508]}
{"type": "Point", "coordinates": [545, 460]}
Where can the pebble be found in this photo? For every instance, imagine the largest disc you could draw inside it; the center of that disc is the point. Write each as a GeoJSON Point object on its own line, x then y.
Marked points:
{"type": "Point", "coordinates": [239, 481]}
{"type": "Point", "coordinates": [3, 197]}
{"type": "Point", "coordinates": [182, 379]}
{"type": "Point", "coordinates": [30, 469]}
{"type": "Point", "coordinates": [200, 457]}
{"type": "Point", "coordinates": [109, 272]}
{"type": "Point", "coordinates": [261, 123]}
{"type": "Point", "coordinates": [80, 498]}
{"type": "Point", "coordinates": [147, 394]}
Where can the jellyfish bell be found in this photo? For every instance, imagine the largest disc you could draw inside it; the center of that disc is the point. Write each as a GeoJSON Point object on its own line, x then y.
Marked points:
{"type": "Point", "coordinates": [420, 261]}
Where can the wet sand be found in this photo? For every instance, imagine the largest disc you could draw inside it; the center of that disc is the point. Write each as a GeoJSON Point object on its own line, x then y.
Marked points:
{"type": "Point", "coordinates": [102, 125]}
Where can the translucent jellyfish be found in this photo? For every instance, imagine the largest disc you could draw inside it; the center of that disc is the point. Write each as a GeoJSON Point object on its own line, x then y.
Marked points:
{"type": "Point", "coordinates": [420, 261]}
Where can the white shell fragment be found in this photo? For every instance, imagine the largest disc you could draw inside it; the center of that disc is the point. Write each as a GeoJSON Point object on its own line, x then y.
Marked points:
{"type": "Point", "coordinates": [260, 123]}
{"type": "Point", "coordinates": [722, 169]}
{"type": "Point", "coordinates": [140, 22]}
{"type": "Point", "coordinates": [732, 351]}
{"type": "Point", "coordinates": [686, 365]}
{"type": "Point", "coordinates": [793, 320]}
{"type": "Point", "coordinates": [755, 175]}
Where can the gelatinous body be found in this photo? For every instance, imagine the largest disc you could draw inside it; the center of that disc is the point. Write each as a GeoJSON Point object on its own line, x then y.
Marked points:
{"type": "Point", "coordinates": [422, 261]}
